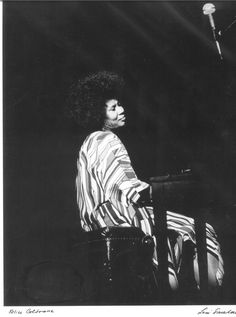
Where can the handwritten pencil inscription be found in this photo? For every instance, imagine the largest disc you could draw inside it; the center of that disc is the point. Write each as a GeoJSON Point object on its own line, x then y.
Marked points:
{"type": "Point", "coordinates": [216, 311]}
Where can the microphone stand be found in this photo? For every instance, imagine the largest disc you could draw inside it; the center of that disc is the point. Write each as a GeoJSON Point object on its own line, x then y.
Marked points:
{"type": "Point", "coordinates": [217, 43]}
{"type": "Point", "coordinates": [220, 34]}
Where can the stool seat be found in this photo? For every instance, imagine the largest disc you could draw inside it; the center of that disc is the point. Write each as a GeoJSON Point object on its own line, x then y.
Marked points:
{"type": "Point", "coordinates": [120, 265]}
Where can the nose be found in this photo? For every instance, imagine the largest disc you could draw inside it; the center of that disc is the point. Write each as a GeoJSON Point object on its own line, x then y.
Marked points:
{"type": "Point", "coordinates": [120, 109]}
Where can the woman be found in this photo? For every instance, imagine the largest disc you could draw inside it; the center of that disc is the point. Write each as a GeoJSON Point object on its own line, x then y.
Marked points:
{"type": "Point", "coordinates": [108, 190]}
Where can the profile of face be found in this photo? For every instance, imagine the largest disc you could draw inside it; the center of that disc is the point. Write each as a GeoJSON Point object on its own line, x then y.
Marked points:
{"type": "Point", "coordinates": [115, 115]}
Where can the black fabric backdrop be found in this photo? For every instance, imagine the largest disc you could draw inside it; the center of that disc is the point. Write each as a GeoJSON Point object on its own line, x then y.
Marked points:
{"type": "Point", "coordinates": [179, 100]}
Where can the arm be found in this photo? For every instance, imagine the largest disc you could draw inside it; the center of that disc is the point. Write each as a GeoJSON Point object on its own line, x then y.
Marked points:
{"type": "Point", "coordinates": [116, 173]}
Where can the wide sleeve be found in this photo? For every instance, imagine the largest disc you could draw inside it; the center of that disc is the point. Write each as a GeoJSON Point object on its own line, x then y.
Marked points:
{"type": "Point", "coordinates": [117, 176]}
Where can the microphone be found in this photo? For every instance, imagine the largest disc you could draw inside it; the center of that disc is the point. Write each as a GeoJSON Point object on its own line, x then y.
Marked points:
{"type": "Point", "coordinates": [208, 9]}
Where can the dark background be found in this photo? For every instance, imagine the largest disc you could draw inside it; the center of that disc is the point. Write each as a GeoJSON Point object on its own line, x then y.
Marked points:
{"type": "Point", "coordinates": [179, 100]}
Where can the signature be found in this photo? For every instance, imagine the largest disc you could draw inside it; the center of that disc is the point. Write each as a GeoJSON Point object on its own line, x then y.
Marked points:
{"type": "Point", "coordinates": [216, 311]}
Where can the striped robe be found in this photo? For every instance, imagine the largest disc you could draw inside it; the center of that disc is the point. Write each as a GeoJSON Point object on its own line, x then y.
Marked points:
{"type": "Point", "coordinates": [107, 192]}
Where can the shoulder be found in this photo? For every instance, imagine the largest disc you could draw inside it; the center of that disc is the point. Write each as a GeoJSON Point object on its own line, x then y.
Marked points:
{"type": "Point", "coordinates": [100, 138]}
{"type": "Point", "coordinates": [103, 137]}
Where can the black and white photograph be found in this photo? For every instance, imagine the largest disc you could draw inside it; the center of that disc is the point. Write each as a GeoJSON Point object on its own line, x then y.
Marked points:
{"type": "Point", "coordinates": [119, 154]}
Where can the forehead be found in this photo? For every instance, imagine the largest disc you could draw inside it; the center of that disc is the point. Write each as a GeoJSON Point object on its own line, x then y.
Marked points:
{"type": "Point", "coordinates": [111, 102]}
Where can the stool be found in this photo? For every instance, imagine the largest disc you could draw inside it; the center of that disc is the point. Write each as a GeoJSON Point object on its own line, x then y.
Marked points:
{"type": "Point", "coordinates": [120, 266]}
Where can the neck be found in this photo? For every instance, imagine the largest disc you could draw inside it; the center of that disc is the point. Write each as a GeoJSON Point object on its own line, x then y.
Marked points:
{"type": "Point", "coordinates": [107, 126]}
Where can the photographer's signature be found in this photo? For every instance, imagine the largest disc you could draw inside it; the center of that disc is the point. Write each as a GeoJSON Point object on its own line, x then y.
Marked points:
{"type": "Point", "coordinates": [216, 311]}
